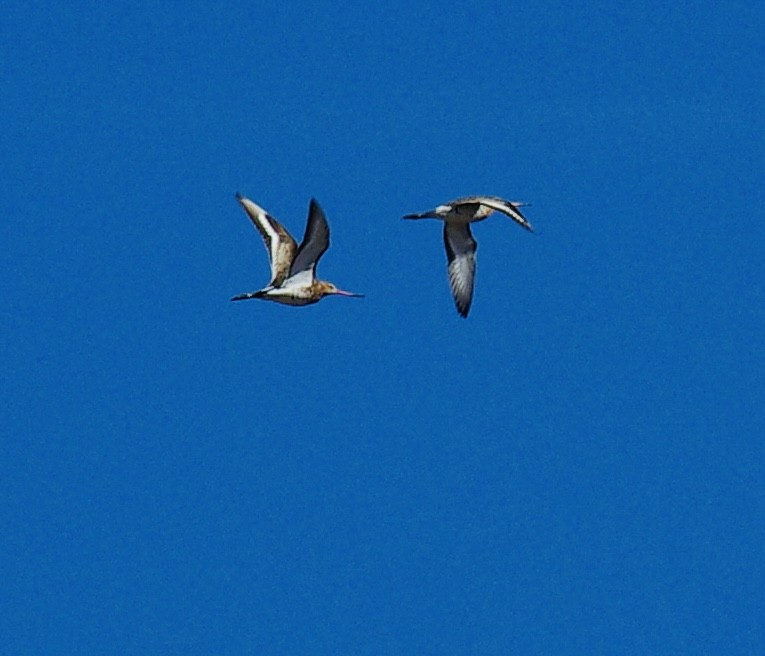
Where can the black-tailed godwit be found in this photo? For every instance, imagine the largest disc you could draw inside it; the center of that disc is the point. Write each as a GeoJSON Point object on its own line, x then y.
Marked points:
{"type": "Point", "coordinates": [457, 216]}
{"type": "Point", "coordinates": [293, 267]}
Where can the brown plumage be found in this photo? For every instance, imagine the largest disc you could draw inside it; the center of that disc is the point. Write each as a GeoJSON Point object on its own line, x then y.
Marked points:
{"type": "Point", "coordinates": [293, 267]}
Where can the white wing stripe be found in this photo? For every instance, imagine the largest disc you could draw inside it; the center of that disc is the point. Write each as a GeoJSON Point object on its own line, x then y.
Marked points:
{"type": "Point", "coordinates": [506, 207]}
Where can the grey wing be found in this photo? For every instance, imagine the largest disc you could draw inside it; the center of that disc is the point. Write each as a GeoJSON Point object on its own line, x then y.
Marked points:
{"type": "Point", "coordinates": [279, 243]}
{"type": "Point", "coordinates": [507, 207]}
{"type": "Point", "coordinates": [315, 241]}
{"type": "Point", "coordinates": [460, 252]}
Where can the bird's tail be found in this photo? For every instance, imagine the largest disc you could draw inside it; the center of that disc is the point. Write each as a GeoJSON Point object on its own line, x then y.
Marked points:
{"type": "Point", "coordinates": [244, 297]}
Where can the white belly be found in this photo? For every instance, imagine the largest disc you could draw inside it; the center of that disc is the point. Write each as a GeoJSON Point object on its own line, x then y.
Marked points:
{"type": "Point", "coordinates": [290, 297]}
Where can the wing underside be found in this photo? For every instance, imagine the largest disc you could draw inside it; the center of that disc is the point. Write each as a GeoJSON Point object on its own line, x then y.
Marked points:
{"type": "Point", "coordinates": [460, 253]}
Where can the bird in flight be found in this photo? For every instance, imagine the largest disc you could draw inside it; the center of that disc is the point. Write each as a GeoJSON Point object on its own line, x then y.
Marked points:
{"type": "Point", "coordinates": [293, 267]}
{"type": "Point", "coordinates": [457, 216]}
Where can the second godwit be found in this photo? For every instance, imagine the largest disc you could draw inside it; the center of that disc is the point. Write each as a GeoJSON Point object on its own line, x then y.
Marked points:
{"type": "Point", "coordinates": [457, 216]}
{"type": "Point", "coordinates": [293, 267]}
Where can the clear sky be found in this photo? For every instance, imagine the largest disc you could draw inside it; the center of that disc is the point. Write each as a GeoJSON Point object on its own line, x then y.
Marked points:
{"type": "Point", "coordinates": [577, 468]}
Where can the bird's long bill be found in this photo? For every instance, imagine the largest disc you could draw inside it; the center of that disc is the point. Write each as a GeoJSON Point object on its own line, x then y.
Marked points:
{"type": "Point", "coordinates": [341, 292]}
{"type": "Point", "coordinates": [422, 215]}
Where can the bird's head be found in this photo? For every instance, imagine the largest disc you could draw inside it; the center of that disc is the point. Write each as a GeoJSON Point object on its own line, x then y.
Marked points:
{"type": "Point", "coordinates": [328, 289]}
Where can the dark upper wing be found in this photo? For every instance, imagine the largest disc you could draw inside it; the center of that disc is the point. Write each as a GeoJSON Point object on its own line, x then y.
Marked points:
{"type": "Point", "coordinates": [279, 243]}
{"type": "Point", "coordinates": [508, 208]}
{"type": "Point", "coordinates": [315, 241]}
{"type": "Point", "coordinates": [460, 251]}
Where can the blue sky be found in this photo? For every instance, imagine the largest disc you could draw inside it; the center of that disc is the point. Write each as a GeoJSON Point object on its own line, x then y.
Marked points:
{"type": "Point", "coordinates": [577, 468]}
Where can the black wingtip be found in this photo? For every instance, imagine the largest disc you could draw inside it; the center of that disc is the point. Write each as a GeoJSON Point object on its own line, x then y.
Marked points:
{"type": "Point", "coordinates": [315, 209]}
{"type": "Point", "coordinates": [462, 310]}
{"type": "Point", "coordinates": [238, 196]}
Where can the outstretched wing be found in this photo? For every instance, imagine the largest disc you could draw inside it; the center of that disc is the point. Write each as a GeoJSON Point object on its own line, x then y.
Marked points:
{"type": "Point", "coordinates": [460, 251]}
{"type": "Point", "coordinates": [315, 242]}
{"type": "Point", "coordinates": [509, 208]}
{"type": "Point", "coordinates": [279, 243]}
